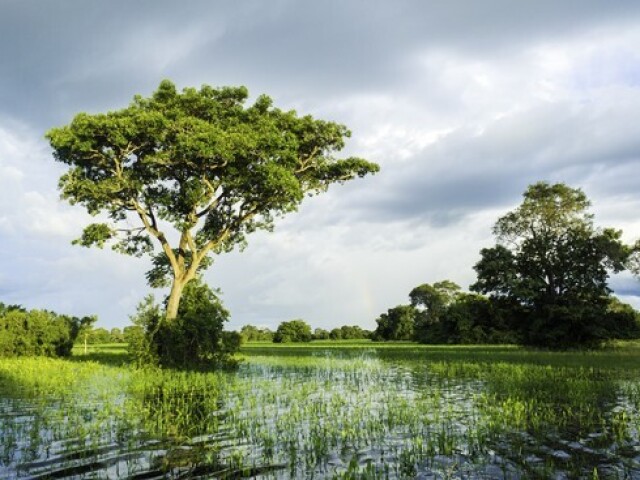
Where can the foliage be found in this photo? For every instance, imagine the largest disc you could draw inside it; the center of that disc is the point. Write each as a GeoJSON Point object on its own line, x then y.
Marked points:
{"type": "Point", "coordinates": [195, 339]}
{"type": "Point", "coordinates": [431, 302]}
{"type": "Point", "coordinates": [140, 337]}
{"type": "Point", "coordinates": [397, 324]}
{"type": "Point", "coordinates": [634, 259]}
{"type": "Point", "coordinates": [476, 319]}
{"type": "Point", "coordinates": [116, 336]}
{"type": "Point", "coordinates": [348, 332]}
{"type": "Point", "coordinates": [442, 314]}
{"type": "Point", "coordinates": [36, 332]}
{"type": "Point", "coordinates": [293, 331]}
{"type": "Point", "coordinates": [250, 333]}
{"type": "Point", "coordinates": [130, 332]}
{"type": "Point", "coordinates": [100, 335]}
{"type": "Point", "coordinates": [201, 162]}
{"type": "Point", "coordinates": [623, 320]}
{"type": "Point", "coordinates": [552, 265]}
{"type": "Point", "coordinates": [321, 334]}
{"type": "Point", "coordinates": [335, 334]}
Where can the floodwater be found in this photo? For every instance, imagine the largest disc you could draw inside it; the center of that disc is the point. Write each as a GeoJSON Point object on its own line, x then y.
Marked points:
{"type": "Point", "coordinates": [329, 413]}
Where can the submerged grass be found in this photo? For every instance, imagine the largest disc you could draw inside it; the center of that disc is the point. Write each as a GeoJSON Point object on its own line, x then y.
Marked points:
{"type": "Point", "coordinates": [327, 410]}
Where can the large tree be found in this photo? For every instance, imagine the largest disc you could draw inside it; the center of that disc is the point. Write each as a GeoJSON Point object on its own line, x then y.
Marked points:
{"type": "Point", "coordinates": [200, 163]}
{"type": "Point", "coordinates": [552, 265]}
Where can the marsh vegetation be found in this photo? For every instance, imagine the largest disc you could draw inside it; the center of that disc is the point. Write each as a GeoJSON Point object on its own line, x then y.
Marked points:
{"type": "Point", "coordinates": [327, 410]}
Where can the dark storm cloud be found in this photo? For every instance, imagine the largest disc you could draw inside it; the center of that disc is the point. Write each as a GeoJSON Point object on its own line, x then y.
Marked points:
{"type": "Point", "coordinates": [62, 57]}
{"type": "Point", "coordinates": [462, 103]}
{"type": "Point", "coordinates": [465, 172]}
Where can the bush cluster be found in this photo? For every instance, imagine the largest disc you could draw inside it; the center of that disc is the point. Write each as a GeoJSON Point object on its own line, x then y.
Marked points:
{"type": "Point", "coordinates": [250, 333]}
{"type": "Point", "coordinates": [36, 332]}
{"type": "Point", "coordinates": [195, 339]}
{"type": "Point", "coordinates": [300, 331]}
{"type": "Point", "coordinates": [293, 331]}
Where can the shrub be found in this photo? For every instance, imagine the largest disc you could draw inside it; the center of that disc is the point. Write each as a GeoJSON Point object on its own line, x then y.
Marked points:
{"type": "Point", "coordinates": [321, 334]}
{"type": "Point", "coordinates": [397, 324]}
{"type": "Point", "coordinates": [36, 332]}
{"type": "Point", "coordinates": [293, 331]}
{"type": "Point", "coordinates": [194, 339]}
{"type": "Point", "coordinates": [249, 333]}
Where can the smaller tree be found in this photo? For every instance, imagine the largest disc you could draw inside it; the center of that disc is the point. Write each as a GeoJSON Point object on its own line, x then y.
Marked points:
{"type": "Point", "coordinates": [633, 263]}
{"type": "Point", "coordinates": [353, 332]}
{"type": "Point", "coordinates": [86, 328]}
{"type": "Point", "coordinates": [293, 331]}
{"type": "Point", "coordinates": [99, 336]}
{"type": "Point", "coordinates": [320, 334]}
{"type": "Point", "coordinates": [116, 335]}
{"type": "Point", "coordinates": [623, 319]}
{"type": "Point", "coordinates": [129, 332]}
{"type": "Point", "coordinates": [36, 332]}
{"type": "Point", "coordinates": [431, 303]}
{"type": "Point", "coordinates": [476, 319]}
{"type": "Point", "coordinates": [397, 324]}
{"type": "Point", "coordinates": [141, 342]}
{"type": "Point", "coordinates": [250, 333]}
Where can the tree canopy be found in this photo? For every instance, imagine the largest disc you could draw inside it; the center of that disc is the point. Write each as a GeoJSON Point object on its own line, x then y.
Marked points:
{"type": "Point", "coordinates": [37, 332]}
{"type": "Point", "coordinates": [251, 333]}
{"type": "Point", "coordinates": [431, 303]}
{"type": "Point", "coordinates": [397, 324]}
{"type": "Point", "coordinates": [552, 265]}
{"type": "Point", "coordinates": [199, 162]}
{"type": "Point", "coordinates": [293, 331]}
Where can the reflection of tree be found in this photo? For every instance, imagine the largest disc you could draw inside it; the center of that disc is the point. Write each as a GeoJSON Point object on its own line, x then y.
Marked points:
{"type": "Point", "coordinates": [177, 410]}
{"type": "Point", "coordinates": [183, 413]}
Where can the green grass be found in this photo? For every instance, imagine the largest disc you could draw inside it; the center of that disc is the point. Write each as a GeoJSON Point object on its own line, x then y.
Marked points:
{"type": "Point", "coordinates": [619, 355]}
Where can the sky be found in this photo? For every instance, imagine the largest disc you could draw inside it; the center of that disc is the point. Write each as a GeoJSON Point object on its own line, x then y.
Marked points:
{"type": "Point", "coordinates": [463, 104]}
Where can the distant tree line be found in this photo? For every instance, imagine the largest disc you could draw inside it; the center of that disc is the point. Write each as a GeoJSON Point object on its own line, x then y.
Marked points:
{"type": "Point", "coordinates": [441, 314]}
{"type": "Point", "coordinates": [102, 335]}
{"type": "Point", "coordinates": [545, 283]}
{"type": "Point", "coordinates": [37, 332]}
{"type": "Point", "coordinates": [300, 331]}
{"type": "Point", "coordinates": [346, 332]}
{"type": "Point", "coordinates": [249, 333]}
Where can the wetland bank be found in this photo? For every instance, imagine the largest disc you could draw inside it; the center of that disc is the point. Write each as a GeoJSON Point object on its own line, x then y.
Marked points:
{"type": "Point", "coordinates": [327, 410]}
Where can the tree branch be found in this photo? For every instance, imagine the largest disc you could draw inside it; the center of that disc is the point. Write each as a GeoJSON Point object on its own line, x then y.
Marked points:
{"type": "Point", "coordinates": [151, 227]}
{"type": "Point", "coordinates": [214, 203]}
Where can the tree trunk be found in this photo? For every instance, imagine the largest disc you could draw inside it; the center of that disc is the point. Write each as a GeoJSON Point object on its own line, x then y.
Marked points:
{"type": "Point", "coordinates": [174, 298]}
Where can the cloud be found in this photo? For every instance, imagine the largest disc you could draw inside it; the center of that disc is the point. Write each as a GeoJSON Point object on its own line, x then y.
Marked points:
{"type": "Point", "coordinates": [522, 123]}
{"type": "Point", "coordinates": [40, 267]}
{"type": "Point", "coordinates": [463, 105]}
